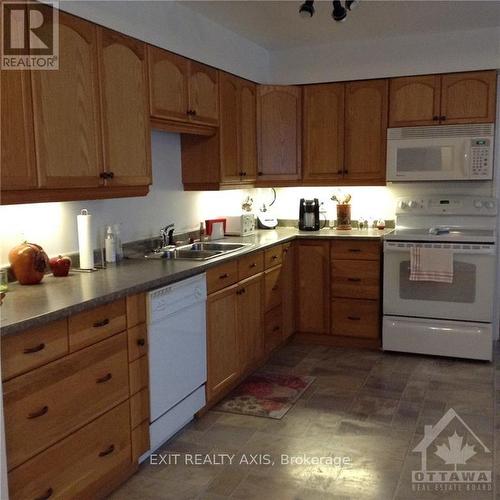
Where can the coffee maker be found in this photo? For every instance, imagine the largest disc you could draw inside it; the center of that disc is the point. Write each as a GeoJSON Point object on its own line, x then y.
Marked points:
{"type": "Point", "coordinates": [309, 215]}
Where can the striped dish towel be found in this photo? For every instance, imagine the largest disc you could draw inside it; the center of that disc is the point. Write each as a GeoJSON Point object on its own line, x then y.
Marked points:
{"type": "Point", "coordinates": [431, 264]}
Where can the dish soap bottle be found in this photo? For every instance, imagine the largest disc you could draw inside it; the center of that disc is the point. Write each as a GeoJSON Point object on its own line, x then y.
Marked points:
{"type": "Point", "coordinates": [110, 245]}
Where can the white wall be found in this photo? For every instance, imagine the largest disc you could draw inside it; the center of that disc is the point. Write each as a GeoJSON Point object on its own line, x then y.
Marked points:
{"type": "Point", "coordinates": [384, 57]}
{"type": "Point", "coordinates": [171, 26]}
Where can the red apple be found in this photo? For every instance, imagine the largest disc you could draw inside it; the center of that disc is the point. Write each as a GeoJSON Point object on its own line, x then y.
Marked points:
{"type": "Point", "coordinates": [60, 265]}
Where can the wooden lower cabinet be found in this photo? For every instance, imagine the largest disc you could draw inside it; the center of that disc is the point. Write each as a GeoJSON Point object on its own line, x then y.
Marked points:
{"type": "Point", "coordinates": [223, 365]}
{"type": "Point", "coordinates": [71, 468]}
{"type": "Point", "coordinates": [76, 423]}
{"type": "Point", "coordinates": [313, 287]}
{"type": "Point", "coordinates": [355, 318]}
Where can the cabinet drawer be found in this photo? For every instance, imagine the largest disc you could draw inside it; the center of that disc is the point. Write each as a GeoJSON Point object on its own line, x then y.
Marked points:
{"type": "Point", "coordinates": [249, 265]}
{"type": "Point", "coordinates": [272, 288]}
{"type": "Point", "coordinates": [355, 250]}
{"type": "Point", "coordinates": [50, 402]}
{"type": "Point", "coordinates": [356, 279]}
{"type": "Point", "coordinates": [273, 256]}
{"type": "Point", "coordinates": [356, 318]}
{"type": "Point", "coordinates": [273, 327]}
{"type": "Point", "coordinates": [137, 341]}
{"type": "Point", "coordinates": [221, 276]}
{"type": "Point", "coordinates": [138, 374]}
{"type": "Point", "coordinates": [33, 348]}
{"type": "Point", "coordinates": [89, 327]}
{"type": "Point", "coordinates": [139, 408]}
{"type": "Point", "coordinates": [70, 467]}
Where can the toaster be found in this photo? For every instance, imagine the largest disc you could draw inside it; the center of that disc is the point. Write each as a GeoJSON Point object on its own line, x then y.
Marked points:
{"type": "Point", "coordinates": [240, 225]}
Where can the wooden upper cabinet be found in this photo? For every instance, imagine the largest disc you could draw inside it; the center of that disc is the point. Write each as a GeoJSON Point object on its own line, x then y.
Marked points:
{"type": "Point", "coordinates": [279, 133]}
{"type": "Point", "coordinates": [443, 99]}
{"type": "Point", "coordinates": [203, 93]}
{"type": "Point", "coordinates": [414, 100]}
{"type": "Point", "coordinates": [229, 128]}
{"type": "Point", "coordinates": [248, 130]}
{"type": "Point", "coordinates": [323, 130]}
{"type": "Point", "coordinates": [366, 131]}
{"type": "Point", "coordinates": [468, 97]}
{"type": "Point", "coordinates": [168, 84]}
{"type": "Point", "coordinates": [125, 114]}
{"type": "Point", "coordinates": [17, 148]}
{"type": "Point", "coordinates": [66, 111]}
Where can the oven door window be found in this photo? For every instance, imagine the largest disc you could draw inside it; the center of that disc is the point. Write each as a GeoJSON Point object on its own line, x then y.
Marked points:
{"type": "Point", "coordinates": [462, 290]}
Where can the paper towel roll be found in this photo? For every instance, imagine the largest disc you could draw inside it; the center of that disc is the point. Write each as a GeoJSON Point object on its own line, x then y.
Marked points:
{"type": "Point", "coordinates": [85, 246]}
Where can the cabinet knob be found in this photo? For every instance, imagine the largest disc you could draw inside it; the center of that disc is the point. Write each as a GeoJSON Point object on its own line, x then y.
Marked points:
{"type": "Point", "coordinates": [354, 279]}
{"type": "Point", "coordinates": [141, 342]}
{"type": "Point", "coordinates": [260, 173]}
{"type": "Point", "coordinates": [442, 118]}
{"type": "Point", "coordinates": [101, 323]}
{"type": "Point", "coordinates": [31, 350]}
{"type": "Point", "coordinates": [340, 171]}
{"type": "Point", "coordinates": [353, 318]}
{"type": "Point", "coordinates": [223, 276]}
{"type": "Point", "coordinates": [435, 118]}
{"type": "Point", "coordinates": [104, 379]}
{"type": "Point", "coordinates": [276, 328]}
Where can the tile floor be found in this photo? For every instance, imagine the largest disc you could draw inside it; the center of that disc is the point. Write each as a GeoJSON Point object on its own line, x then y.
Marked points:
{"type": "Point", "coordinates": [368, 406]}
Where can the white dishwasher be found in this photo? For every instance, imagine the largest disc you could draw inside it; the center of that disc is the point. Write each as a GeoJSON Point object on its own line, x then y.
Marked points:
{"type": "Point", "coordinates": [177, 356]}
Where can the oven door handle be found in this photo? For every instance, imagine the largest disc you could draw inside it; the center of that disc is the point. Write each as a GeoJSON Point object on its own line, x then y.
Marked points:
{"type": "Point", "coordinates": [484, 250]}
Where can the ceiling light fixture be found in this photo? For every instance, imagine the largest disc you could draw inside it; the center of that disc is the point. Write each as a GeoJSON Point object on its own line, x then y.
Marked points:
{"type": "Point", "coordinates": [339, 12]}
{"type": "Point", "coordinates": [307, 9]}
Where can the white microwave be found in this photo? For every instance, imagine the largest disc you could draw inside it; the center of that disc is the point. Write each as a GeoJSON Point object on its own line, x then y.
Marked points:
{"type": "Point", "coordinates": [440, 153]}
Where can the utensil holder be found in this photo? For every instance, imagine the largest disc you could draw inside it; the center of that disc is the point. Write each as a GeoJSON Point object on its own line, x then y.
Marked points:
{"type": "Point", "coordinates": [343, 217]}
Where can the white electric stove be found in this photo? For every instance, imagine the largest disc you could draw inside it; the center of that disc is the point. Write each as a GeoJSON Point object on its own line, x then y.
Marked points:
{"type": "Point", "coordinates": [447, 319]}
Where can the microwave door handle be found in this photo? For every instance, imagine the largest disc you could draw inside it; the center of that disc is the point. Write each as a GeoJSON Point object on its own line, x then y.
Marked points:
{"type": "Point", "coordinates": [467, 163]}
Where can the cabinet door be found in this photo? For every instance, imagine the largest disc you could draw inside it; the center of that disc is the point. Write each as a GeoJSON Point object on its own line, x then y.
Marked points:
{"type": "Point", "coordinates": [124, 95]}
{"type": "Point", "coordinates": [288, 288]}
{"type": "Point", "coordinates": [279, 133]}
{"type": "Point", "coordinates": [168, 84]}
{"type": "Point", "coordinates": [222, 341]}
{"type": "Point", "coordinates": [229, 128]}
{"type": "Point", "coordinates": [17, 148]}
{"type": "Point", "coordinates": [248, 130]}
{"type": "Point", "coordinates": [414, 101]}
{"type": "Point", "coordinates": [313, 286]}
{"type": "Point", "coordinates": [366, 131]}
{"type": "Point", "coordinates": [468, 97]}
{"type": "Point", "coordinates": [323, 132]}
{"type": "Point", "coordinates": [250, 320]}
{"type": "Point", "coordinates": [203, 93]}
{"type": "Point", "coordinates": [66, 111]}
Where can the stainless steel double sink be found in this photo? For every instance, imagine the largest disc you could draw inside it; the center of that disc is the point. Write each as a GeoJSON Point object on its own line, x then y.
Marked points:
{"type": "Point", "coordinates": [196, 251]}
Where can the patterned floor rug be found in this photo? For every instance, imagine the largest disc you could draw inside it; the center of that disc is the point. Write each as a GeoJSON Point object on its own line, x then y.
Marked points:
{"type": "Point", "coordinates": [268, 395]}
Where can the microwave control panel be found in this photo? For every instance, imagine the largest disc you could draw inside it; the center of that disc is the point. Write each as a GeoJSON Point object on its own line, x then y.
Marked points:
{"type": "Point", "coordinates": [481, 158]}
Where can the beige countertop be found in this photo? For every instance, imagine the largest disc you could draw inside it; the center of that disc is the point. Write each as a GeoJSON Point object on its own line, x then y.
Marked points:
{"type": "Point", "coordinates": [55, 298]}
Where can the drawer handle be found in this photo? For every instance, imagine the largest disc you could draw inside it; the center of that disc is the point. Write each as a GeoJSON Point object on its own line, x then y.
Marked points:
{"type": "Point", "coordinates": [354, 279]}
{"type": "Point", "coordinates": [354, 250]}
{"type": "Point", "coordinates": [276, 287]}
{"type": "Point", "coordinates": [38, 413]}
{"type": "Point", "coordinates": [353, 318]}
{"type": "Point", "coordinates": [31, 350]}
{"type": "Point", "coordinates": [46, 495]}
{"type": "Point", "coordinates": [223, 276]}
{"type": "Point", "coordinates": [253, 264]}
{"type": "Point", "coordinates": [274, 257]}
{"type": "Point", "coordinates": [107, 451]}
{"type": "Point", "coordinates": [106, 377]}
{"type": "Point", "coordinates": [276, 328]}
{"type": "Point", "coordinates": [141, 342]}
{"type": "Point", "coordinates": [99, 324]}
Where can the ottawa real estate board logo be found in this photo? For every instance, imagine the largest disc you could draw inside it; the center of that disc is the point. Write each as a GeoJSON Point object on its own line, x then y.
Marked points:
{"type": "Point", "coordinates": [30, 36]}
{"type": "Point", "coordinates": [453, 458]}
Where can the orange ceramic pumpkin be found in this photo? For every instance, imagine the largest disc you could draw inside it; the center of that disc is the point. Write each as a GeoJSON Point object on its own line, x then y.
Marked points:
{"type": "Point", "coordinates": [28, 263]}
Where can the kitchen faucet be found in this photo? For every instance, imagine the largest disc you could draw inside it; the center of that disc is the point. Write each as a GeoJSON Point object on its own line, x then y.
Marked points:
{"type": "Point", "coordinates": [167, 235]}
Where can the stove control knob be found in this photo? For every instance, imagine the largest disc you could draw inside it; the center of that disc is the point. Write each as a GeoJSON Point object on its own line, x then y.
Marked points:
{"type": "Point", "coordinates": [490, 204]}
{"type": "Point", "coordinates": [413, 204]}
{"type": "Point", "coordinates": [402, 204]}
{"type": "Point", "coordinates": [478, 204]}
